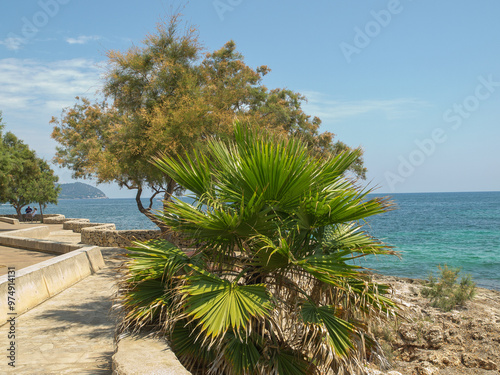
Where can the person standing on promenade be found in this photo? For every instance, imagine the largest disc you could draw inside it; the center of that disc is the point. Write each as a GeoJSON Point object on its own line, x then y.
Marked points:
{"type": "Point", "coordinates": [27, 213]}
{"type": "Point", "coordinates": [33, 213]}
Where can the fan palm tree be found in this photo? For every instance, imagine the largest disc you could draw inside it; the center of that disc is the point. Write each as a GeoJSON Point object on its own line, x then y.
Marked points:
{"type": "Point", "coordinates": [272, 284]}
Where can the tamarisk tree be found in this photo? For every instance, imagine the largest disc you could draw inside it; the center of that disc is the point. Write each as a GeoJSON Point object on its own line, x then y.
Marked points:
{"type": "Point", "coordinates": [164, 97]}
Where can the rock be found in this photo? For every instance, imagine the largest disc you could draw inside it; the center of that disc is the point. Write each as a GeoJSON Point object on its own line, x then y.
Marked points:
{"type": "Point", "coordinates": [454, 338]}
{"type": "Point", "coordinates": [426, 368]}
{"type": "Point", "coordinates": [434, 337]}
{"type": "Point", "coordinates": [472, 361]}
{"type": "Point", "coordinates": [408, 333]}
{"type": "Point", "coordinates": [450, 360]}
{"type": "Point", "coordinates": [436, 359]}
{"type": "Point", "coordinates": [469, 360]}
{"type": "Point", "coordinates": [378, 372]}
{"type": "Point", "coordinates": [477, 336]}
{"type": "Point", "coordinates": [405, 357]}
{"type": "Point", "coordinates": [486, 364]}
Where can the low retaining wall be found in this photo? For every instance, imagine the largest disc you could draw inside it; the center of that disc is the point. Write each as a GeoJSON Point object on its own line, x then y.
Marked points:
{"type": "Point", "coordinates": [48, 219]}
{"type": "Point", "coordinates": [39, 282]}
{"type": "Point", "coordinates": [9, 220]}
{"type": "Point", "coordinates": [106, 237]}
{"type": "Point", "coordinates": [134, 355]}
{"type": "Point", "coordinates": [33, 232]}
{"type": "Point", "coordinates": [139, 354]}
{"type": "Point", "coordinates": [98, 234]}
{"type": "Point", "coordinates": [76, 225]}
{"type": "Point", "coordinates": [54, 219]}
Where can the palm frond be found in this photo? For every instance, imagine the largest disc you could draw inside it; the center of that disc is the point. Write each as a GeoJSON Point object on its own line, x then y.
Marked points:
{"type": "Point", "coordinates": [218, 304]}
{"type": "Point", "coordinates": [338, 330]}
{"type": "Point", "coordinates": [156, 259]}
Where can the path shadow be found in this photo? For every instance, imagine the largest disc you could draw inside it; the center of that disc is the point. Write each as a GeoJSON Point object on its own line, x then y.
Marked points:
{"type": "Point", "coordinates": [104, 368]}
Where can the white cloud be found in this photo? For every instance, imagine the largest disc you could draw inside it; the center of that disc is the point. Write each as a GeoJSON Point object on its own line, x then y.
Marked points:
{"type": "Point", "coordinates": [33, 91]}
{"type": "Point", "coordinates": [335, 110]}
{"type": "Point", "coordinates": [26, 83]}
{"type": "Point", "coordinates": [82, 39]}
{"type": "Point", "coordinates": [13, 43]}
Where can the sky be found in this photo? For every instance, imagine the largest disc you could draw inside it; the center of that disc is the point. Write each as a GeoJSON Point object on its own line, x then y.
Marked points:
{"type": "Point", "coordinates": [415, 83]}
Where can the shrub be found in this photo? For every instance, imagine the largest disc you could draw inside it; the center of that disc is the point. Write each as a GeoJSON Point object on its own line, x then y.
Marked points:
{"type": "Point", "coordinates": [271, 287]}
{"type": "Point", "coordinates": [445, 293]}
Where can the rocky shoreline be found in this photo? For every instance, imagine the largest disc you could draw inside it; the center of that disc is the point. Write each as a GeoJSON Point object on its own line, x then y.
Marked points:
{"type": "Point", "coordinates": [428, 341]}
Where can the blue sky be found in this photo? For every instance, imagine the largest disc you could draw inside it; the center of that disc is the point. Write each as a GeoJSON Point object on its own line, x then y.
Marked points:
{"type": "Point", "coordinates": [415, 83]}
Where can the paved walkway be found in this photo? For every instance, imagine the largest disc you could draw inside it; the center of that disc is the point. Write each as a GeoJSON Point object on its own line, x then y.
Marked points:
{"type": "Point", "coordinates": [71, 333]}
{"type": "Point", "coordinates": [18, 258]}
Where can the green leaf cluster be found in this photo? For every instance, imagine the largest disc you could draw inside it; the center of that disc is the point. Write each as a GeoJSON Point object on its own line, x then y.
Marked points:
{"type": "Point", "coordinates": [271, 285]}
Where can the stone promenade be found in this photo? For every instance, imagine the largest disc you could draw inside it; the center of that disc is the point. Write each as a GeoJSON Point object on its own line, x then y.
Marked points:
{"type": "Point", "coordinates": [71, 333]}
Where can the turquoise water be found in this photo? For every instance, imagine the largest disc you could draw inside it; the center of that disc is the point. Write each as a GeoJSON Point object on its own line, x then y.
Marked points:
{"type": "Point", "coordinates": [431, 229]}
{"type": "Point", "coordinates": [122, 212]}
{"type": "Point", "coordinates": [458, 229]}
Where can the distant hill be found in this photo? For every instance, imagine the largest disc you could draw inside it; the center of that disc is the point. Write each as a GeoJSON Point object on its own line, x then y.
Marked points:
{"type": "Point", "coordinates": [78, 190]}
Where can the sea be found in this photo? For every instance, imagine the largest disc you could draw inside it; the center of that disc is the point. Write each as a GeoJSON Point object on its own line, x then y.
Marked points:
{"type": "Point", "coordinates": [460, 230]}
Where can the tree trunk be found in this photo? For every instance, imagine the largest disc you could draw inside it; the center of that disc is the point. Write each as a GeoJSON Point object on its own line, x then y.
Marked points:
{"type": "Point", "coordinates": [147, 211]}
{"type": "Point", "coordinates": [41, 213]}
{"type": "Point", "coordinates": [168, 193]}
{"type": "Point", "coordinates": [19, 213]}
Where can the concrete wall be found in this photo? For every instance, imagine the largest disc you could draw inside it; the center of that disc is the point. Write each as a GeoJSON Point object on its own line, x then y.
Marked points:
{"type": "Point", "coordinates": [76, 225]}
{"type": "Point", "coordinates": [9, 220]}
{"type": "Point", "coordinates": [53, 218]}
{"type": "Point", "coordinates": [39, 282]}
{"type": "Point", "coordinates": [33, 285]}
{"type": "Point", "coordinates": [34, 232]}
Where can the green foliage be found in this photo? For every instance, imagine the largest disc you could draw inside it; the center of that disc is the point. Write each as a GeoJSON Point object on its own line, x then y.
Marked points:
{"type": "Point", "coordinates": [5, 164]}
{"type": "Point", "coordinates": [271, 287]}
{"type": "Point", "coordinates": [165, 97]}
{"type": "Point", "coordinates": [24, 177]}
{"type": "Point", "coordinates": [44, 187]}
{"type": "Point", "coordinates": [445, 293]}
